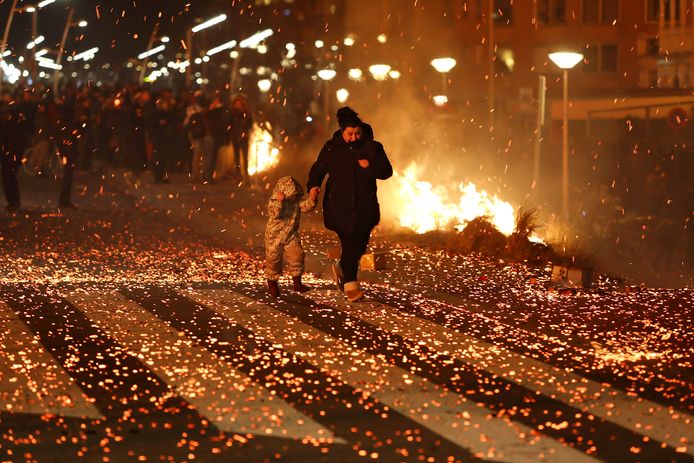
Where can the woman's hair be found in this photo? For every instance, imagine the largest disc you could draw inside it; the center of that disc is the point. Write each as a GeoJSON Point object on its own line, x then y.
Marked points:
{"type": "Point", "coordinates": [346, 117]}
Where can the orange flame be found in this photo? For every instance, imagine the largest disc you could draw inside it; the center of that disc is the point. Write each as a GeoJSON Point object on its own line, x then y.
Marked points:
{"type": "Point", "coordinates": [262, 154]}
{"type": "Point", "coordinates": [423, 207]}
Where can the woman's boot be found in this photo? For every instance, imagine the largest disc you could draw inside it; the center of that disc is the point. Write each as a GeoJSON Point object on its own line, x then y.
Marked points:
{"type": "Point", "coordinates": [299, 287]}
{"type": "Point", "coordinates": [353, 291]}
{"type": "Point", "coordinates": [338, 276]}
{"type": "Point", "coordinates": [274, 288]}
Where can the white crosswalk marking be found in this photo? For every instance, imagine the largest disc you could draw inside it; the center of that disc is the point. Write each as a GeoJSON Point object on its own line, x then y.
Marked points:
{"type": "Point", "coordinates": [638, 415]}
{"type": "Point", "coordinates": [31, 380]}
{"type": "Point", "coordinates": [448, 414]}
{"type": "Point", "coordinates": [225, 396]}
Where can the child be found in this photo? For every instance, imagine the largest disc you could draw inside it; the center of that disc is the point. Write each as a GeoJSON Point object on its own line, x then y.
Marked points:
{"type": "Point", "coordinates": [282, 233]}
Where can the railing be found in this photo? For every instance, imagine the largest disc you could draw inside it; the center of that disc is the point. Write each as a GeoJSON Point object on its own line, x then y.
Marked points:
{"type": "Point", "coordinates": [686, 103]}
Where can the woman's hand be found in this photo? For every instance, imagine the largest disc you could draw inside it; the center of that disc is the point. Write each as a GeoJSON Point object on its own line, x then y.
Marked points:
{"type": "Point", "coordinates": [364, 163]}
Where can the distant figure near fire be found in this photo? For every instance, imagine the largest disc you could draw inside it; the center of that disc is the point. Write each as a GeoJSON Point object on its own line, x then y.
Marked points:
{"type": "Point", "coordinates": [353, 161]}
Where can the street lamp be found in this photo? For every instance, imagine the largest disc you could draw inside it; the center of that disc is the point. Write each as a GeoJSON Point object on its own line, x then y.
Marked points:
{"type": "Point", "coordinates": [440, 100]}
{"type": "Point", "coordinates": [444, 66]}
{"type": "Point", "coordinates": [565, 61]}
{"type": "Point", "coordinates": [264, 85]}
{"type": "Point", "coordinates": [379, 71]}
{"type": "Point", "coordinates": [61, 50]}
{"type": "Point", "coordinates": [356, 74]}
{"type": "Point", "coordinates": [189, 41]}
{"type": "Point", "coordinates": [152, 38]}
{"type": "Point", "coordinates": [342, 95]}
{"type": "Point", "coordinates": [33, 9]}
{"type": "Point", "coordinates": [326, 75]}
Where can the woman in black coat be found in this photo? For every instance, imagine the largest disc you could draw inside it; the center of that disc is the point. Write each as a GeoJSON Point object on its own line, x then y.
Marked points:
{"type": "Point", "coordinates": [352, 162]}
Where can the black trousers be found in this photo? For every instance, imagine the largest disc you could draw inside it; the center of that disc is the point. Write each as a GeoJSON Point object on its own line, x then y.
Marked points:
{"type": "Point", "coordinates": [353, 247]}
{"type": "Point", "coordinates": [9, 166]}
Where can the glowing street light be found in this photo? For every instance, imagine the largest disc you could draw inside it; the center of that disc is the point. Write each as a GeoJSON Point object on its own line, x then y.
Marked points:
{"type": "Point", "coordinates": [565, 61]}
{"type": "Point", "coordinates": [35, 42]}
{"type": "Point", "coordinates": [379, 71]}
{"type": "Point", "coordinates": [209, 23]}
{"type": "Point", "coordinates": [85, 55]}
{"type": "Point", "coordinates": [254, 40]}
{"type": "Point", "coordinates": [395, 75]}
{"type": "Point", "coordinates": [189, 41]}
{"type": "Point", "coordinates": [33, 9]}
{"type": "Point", "coordinates": [61, 49]}
{"type": "Point", "coordinates": [440, 100]}
{"type": "Point", "coordinates": [150, 44]}
{"type": "Point", "coordinates": [342, 95]}
{"type": "Point", "coordinates": [355, 74]}
{"type": "Point", "coordinates": [151, 52]}
{"type": "Point", "coordinates": [264, 85]}
{"type": "Point", "coordinates": [444, 66]}
{"type": "Point", "coordinates": [222, 47]}
{"type": "Point", "coordinates": [326, 75]}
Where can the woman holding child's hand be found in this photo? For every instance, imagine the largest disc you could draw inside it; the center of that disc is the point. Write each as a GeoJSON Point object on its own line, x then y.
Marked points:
{"type": "Point", "coordinates": [353, 161]}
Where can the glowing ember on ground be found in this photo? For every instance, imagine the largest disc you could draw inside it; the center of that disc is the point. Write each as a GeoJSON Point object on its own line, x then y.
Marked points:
{"type": "Point", "coordinates": [262, 155]}
{"type": "Point", "coordinates": [424, 207]}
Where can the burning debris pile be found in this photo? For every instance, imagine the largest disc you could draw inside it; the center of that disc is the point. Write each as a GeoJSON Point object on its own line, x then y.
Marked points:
{"type": "Point", "coordinates": [423, 207]}
{"type": "Point", "coordinates": [466, 219]}
{"type": "Point", "coordinates": [262, 153]}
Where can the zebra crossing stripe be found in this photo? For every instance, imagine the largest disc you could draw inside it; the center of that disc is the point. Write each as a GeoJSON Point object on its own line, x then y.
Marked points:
{"type": "Point", "coordinates": [448, 414]}
{"type": "Point", "coordinates": [644, 417]}
{"type": "Point", "coordinates": [31, 381]}
{"type": "Point", "coordinates": [223, 395]}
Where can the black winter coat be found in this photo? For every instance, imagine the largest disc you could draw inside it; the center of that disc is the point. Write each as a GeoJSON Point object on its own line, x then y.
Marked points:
{"type": "Point", "coordinates": [349, 201]}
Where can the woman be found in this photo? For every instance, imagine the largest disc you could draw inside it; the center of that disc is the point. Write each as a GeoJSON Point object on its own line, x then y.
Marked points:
{"type": "Point", "coordinates": [352, 163]}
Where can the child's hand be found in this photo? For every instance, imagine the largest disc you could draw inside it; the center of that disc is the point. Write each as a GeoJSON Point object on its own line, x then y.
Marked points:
{"type": "Point", "coordinates": [314, 193]}
{"type": "Point", "coordinates": [364, 163]}
{"type": "Point", "coordinates": [280, 196]}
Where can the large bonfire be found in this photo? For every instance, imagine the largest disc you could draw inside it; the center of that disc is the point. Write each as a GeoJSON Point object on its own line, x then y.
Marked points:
{"type": "Point", "coordinates": [422, 206]}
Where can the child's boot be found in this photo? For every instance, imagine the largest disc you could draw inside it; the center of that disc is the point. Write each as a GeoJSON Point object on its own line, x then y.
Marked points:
{"type": "Point", "coordinates": [299, 287]}
{"type": "Point", "coordinates": [353, 291]}
{"type": "Point", "coordinates": [274, 288]}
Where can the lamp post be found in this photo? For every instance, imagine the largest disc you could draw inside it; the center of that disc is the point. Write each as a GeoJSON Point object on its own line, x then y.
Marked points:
{"type": "Point", "coordinates": [5, 35]}
{"type": "Point", "coordinates": [61, 50]}
{"type": "Point", "coordinates": [152, 38]}
{"type": "Point", "coordinates": [565, 61]}
{"type": "Point", "coordinates": [444, 66]}
{"type": "Point", "coordinates": [326, 75]}
{"type": "Point", "coordinates": [189, 42]}
{"type": "Point", "coordinates": [380, 73]}
{"type": "Point", "coordinates": [342, 95]}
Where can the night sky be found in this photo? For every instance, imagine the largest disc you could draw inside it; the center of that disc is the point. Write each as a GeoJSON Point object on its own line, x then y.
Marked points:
{"type": "Point", "coordinates": [120, 28]}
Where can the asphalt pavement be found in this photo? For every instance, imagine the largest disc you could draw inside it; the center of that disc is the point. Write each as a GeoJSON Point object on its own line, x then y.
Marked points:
{"type": "Point", "coordinates": [137, 327]}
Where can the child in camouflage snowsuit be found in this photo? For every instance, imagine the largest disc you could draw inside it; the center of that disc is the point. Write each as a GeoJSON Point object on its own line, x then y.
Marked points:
{"type": "Point", "coordinates": [282, 233]}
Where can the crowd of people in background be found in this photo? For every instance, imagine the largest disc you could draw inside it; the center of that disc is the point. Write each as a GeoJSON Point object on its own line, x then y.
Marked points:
{"type": "Point", "coordinates": [129, 127]}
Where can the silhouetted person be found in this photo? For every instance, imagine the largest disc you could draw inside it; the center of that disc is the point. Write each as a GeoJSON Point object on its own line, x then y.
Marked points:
{"type": "Point", "coordinates": [66, 139]}
{"type": "Point", "coordinates": [10, 152]}
{"type": "Point", "coordinates": [241, 125]}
